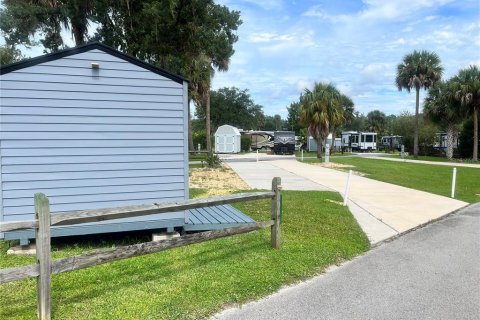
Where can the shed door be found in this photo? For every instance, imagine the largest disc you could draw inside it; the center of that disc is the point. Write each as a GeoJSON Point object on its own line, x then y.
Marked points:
{"type": "Point", "coordinates": [220, 143]}
{"type": "Point", "coordinates": [229, 144]}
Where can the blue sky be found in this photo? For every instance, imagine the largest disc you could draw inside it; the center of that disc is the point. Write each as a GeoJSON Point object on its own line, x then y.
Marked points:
{"type": "Point", "coordinates": [284, 46]}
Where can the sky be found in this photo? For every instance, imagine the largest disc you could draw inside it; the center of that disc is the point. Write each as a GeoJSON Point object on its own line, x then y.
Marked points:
{"type": "Point", "coordinates": [285, 46]}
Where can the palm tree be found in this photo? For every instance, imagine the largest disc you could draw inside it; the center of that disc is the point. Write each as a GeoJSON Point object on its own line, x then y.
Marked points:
{"type": "Point", "coordinates": [442, 108]}
{"type": "Point", "coordinates": [467, 91]}
{"type": "Point", "coordinates": [319, 108]}
{"type": "Point", "coordinates": [420, 69]}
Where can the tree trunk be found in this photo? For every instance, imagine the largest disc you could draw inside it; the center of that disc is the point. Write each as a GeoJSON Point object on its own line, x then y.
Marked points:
{"type": "Point", "coordinates": [450, 132]}
{"type": "Point", "coordinates": [475, 133]}
{"type": "Point", "coordinates": [415, 135]}
{"type": "Point", "coordinates": [207, 122]}
{"type": "Point", "coordinates": [319, 148]}
{"type": "Point", "coordinates": [191, 147]}
{"type": "Point", "coordinates": [334, 135]}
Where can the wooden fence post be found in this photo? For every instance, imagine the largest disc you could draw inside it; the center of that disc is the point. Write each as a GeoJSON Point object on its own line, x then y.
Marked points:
{"type": "Point", "coordinates": [275, 229]}
{"type": "Point", "coordinates": [42, 238]}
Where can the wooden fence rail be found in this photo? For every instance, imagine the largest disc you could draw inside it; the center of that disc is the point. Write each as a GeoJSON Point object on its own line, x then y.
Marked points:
{"type": "Point", "coordinates": [44, 220]}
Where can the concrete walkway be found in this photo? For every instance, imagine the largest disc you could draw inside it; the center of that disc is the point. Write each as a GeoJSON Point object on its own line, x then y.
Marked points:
{"type": "Point", "coordinates": [431, 273]}
{"type": "Point", "coordinates": [382, 209]}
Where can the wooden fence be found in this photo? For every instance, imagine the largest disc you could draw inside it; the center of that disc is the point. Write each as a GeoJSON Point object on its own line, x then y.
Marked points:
{"type": "Point", "coordinates": [44, 267]}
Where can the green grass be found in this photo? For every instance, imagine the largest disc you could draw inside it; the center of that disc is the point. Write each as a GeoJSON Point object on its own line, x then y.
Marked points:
{"type": "Point", "coordinates": [431, 178]}
{"type": "Point", "coordinates": [308, 154]}
{"type": "Point", "coordinates": [428, 158]}
{"type": "Point", "coordinates": [195, 281]}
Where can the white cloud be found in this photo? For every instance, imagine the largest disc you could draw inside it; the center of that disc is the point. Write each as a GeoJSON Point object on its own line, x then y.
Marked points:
{"type": "Point", "coordinates": [269, 37]}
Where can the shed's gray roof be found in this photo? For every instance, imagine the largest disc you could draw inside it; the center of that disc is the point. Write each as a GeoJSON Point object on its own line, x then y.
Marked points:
{"type": "Point", "coordinates": [87, 47]}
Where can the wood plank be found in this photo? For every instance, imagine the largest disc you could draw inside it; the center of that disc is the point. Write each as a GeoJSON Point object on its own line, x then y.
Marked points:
{"type": "Point", "coordinates": [82, 216]}
{"type": "Point", "coordinates": [218, 218]}
{"type": "Point", "coordinates": [226, 216]}
{"type": "Point", "coordinates": [231, 213]}
{"type": "Point", "coordinates": [42, 240]}
{"type": "Point", "coordinates": [18, 273]}
{"type": "Point", "coordinates": [207, 219]}
{"type": "Point", "coordinates": [241, 214]}
{"type": "Point", "coordinates": [193, 217]}
{"type": "Point", "coordinates": [18, 225]}
{"type": "Point", "coordinates": [275, 229]}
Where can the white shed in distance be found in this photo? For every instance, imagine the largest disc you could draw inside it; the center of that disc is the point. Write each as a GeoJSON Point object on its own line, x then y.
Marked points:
{"type": "Point", "coordinates": [227, 139]}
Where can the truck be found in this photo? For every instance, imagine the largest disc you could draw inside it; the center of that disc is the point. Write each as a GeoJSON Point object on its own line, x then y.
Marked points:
{"type": "Point", "coordinates": [283, 142]}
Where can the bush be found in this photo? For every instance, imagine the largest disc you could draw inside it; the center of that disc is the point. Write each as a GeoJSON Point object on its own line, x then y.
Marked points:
{"type": "Point", "coordinates": [465, 146]}
{"type": "Point", "coordinates": [245, 143]}
{"type": "Point", "coordinates": [213, 161]}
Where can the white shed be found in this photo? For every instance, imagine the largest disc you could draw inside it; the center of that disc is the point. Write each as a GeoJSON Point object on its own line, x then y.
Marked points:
{"type": "Point", "coordinates": [227, 139]}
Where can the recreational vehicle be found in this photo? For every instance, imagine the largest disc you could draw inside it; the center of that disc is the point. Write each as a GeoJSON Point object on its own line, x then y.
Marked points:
{"type": "Point", "coordinates": [359, 141]}
{"type": "Point", "coordinates": [260, 139]}
{"type": "Point", "coordinates": [284, 142]}
{"type": "Point", "coordinates": [392, 142]}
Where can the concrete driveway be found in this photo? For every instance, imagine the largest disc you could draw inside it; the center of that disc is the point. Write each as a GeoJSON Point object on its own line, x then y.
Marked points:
{"type": "Point", "coordinates": [431, 273]}
{"type": "Point", "coordinates": [382, 209]}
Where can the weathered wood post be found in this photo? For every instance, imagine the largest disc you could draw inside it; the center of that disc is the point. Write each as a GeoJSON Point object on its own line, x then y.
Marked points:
{"type": "Point", "coordinates": [42, 238]}
{"type": "Point", "coordinates": [275, 229]}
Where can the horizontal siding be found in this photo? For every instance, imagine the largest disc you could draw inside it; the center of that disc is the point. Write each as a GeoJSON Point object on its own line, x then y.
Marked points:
{"type": "Point", "coordinates": [49, 79]}
{"type": "Point", "coordinates": [88, 112]}
{"type": "Point", "coordinates": [32, 160]}
{"type": "Point", "coordinates": [175, 183]}
{"type": "Point", "coordinates": [106, 174]}
{"type": "Point", "coordinates": [90, 138]}
{"type": "Point", "coordinates": [77, 167]}
{"type": "Point", "coordinates": [98, 88]}
{"type": "Point", "coordinates": [116, 73]}
{"type": "Point", "coordinates": [65, 102]}
{"type": "Point", "coordinates": [88, 135]}
{"type": "Point", "coordinates": [81, 184]}
{"type": "Point", "coordinates": [36, 152]}
{"type": "Point", "coordinates": [55, 143]}
{"type": "Point", "coordinates": [91, 96]}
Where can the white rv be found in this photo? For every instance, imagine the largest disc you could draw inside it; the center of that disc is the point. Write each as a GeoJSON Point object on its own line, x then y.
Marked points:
{"type": "Point", "coordinates": [359, 141]}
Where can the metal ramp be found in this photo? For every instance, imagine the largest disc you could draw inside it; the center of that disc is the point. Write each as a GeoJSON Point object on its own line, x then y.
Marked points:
{"type": "Point", "coordinates": [217, 217]}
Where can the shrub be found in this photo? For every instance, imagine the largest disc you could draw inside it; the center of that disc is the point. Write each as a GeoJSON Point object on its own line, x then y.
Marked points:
{"type": "Point", "coordinates": [245, 143]}
{"type": "Point", "coordinates": [213, 161]}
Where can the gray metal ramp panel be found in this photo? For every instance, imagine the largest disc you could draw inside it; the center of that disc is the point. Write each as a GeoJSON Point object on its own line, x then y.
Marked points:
{"type": "Point", "coordinates": [217, 215]}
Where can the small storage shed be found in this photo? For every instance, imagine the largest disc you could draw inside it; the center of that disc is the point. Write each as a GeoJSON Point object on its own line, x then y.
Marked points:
{"type": "Point", "coordinates": [227, 139]}
{"type": "Point", "coordinates": [91, 128]}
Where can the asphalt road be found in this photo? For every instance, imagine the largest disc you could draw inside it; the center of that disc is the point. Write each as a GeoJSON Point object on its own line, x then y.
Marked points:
{"type": "Point", "coordinates": [430, 273]}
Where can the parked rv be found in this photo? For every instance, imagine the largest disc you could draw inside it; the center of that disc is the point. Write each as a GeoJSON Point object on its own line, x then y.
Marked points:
{"type": "Point", "coordinates": [260, 139]}
{"type": "Point", "coordinates": [284, 142]}
{"type": "Point", "coordinates": [391, 142]}
{"type": "Point", "coordinates": [359, 141]}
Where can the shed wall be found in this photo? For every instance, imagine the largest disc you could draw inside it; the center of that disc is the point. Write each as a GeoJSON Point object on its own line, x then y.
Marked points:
{"type": "Point", "coordinates": [91, 138]}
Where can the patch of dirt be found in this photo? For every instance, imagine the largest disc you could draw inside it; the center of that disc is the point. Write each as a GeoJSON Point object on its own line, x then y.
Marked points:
{"type": "Point", "coordinates": [340, 166]}
{"type": "Point", "coordinates": [334, 165]}
{"type": "Point", "coordinates": [217, 181]}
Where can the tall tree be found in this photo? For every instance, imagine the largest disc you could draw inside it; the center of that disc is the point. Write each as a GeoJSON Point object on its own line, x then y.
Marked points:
{"type": "Point", "coordinates": [377, 122]}
{"type": "Point", "coordinates": [318, 107]}
{"type": "Point", "coordinates": [442, 108]}
{"type": "Point", "coordinates": [293, 118]}
{"type": "Point", "coordinates": [24, 20]}
{"type": "Point", "coordinates": [278, 122]}
{"type": "Point", "coordinates": [9, 55]}
{"type": "Point", "coordinates": [234, 107]}
{"type": "Point", "coordinates": [420, 69]}
{"type": "Point", "coordinates": [467, 91]}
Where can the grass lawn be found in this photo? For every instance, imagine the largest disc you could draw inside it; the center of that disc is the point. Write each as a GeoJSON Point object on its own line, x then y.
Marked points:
{"type": "Point", "coordinates": [427, 158]}
{"type": "Point", "coordinates": [199, 280]}
{"type": "Point", "coordinates": [308, 154]}
{"type": "Point", "coordinates": [425, 177]}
